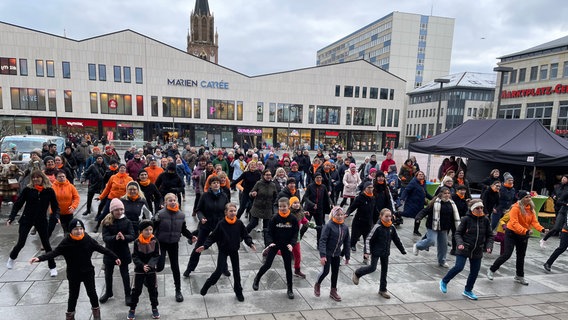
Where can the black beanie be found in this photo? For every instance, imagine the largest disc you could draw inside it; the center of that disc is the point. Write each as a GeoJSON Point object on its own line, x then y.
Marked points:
{"type": "Point", "coordinates": [145, 224]}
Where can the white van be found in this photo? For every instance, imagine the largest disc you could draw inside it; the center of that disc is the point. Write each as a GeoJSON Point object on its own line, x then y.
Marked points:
{"type": "Point", "coordinates": [26, 143]}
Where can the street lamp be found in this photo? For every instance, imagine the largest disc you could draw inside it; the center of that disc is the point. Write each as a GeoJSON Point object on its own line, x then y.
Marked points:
{"type": "Point", "coordinates": [441, 81]}
{"type": "Point", "coordinates": [502, 70]}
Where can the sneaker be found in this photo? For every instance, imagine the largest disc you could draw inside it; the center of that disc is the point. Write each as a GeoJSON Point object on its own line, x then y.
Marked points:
{"type": "Point", "coordinates": [542, 243]}
{"type": "Point", "coordinates": [546, 267]}
{"type": "Point", "coordinates": [299, 273]}
{"type": "Point", "coordinates": [469, 294]}
{"type": "Point", "coordinates": [444, 265]}
{"type": "Point", "coordinates": [86, 213]}
{"type": "Point", "coordinates": [53, 272]}
{"type": "Point", "coordinates": [155, 314]}
{"type": "Point", "coordinates": [179, 296]}
{"type": "Point", "coordinates": [290, 294]}
{"type": "Point", "coordinates": [131, 315]}
{"type": "Point", "coordinates": [10, 263]}
{"type": "Point", "coordinates": [415, 250]}
{"type": "Point", "coordinates": [443, 286]}
{"type": "Point", "coordinates": [355, 279]}
{"type": "Point", "coordinates": [353, 249]}
{"type": "Point", "coordinates": [240, 297]}
{"type": "Point", "coordinates": [490, 274]}
{"type": "Point", "coordinates": [521, 280]}
{"type": "Point", "coordinates": [417, 234]}
{"type": "Point", "coordinates": [227, 273]}
{"type": "Point", "coordinates": [186, 273]}
{"type": "Point", "coordinates": [384, 294]}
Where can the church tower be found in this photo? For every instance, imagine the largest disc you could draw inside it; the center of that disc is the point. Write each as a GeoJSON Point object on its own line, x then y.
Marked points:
{"type": "Point", "coordinates": [202, 39]}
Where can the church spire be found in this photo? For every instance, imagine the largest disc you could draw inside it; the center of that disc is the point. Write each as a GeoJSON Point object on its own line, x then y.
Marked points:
{"type": "Point", "coordinates": [201, 8]}
{"type": "Point", "coordinates": [202, 40]}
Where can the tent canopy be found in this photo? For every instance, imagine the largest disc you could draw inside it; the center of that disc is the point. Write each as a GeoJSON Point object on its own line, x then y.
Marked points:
{"type": "Point", "coordinates": [522, 142]}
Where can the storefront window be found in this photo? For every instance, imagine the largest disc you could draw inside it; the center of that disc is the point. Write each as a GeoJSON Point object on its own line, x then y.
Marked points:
{"type": "Point", "coordinates": [330, 140]}
{"type": "Point", "coordinates": [112, 103]}
{"type": "Point", "coordinates": [293, 139]}
{"type": "Point", "coordinates": [259, 111]}
{"type": "Point", "coordinates": [130, 130]}
{"type": "Point", "coordinates": [328, 115]}
{"type": "Point", "coordinates": [363, 141]}
{"type": "Point", "coordinates": [176, 107]}
{"type": "Point", "coordinates": [239, 110]}
{"type": "Point", "coordinates": [221, 109]}
{"type": "Point", "coordinates": [290, 112]}
{"type": "Point", "coordinates": [364, 117]}
{"type": "Point", "coordinates": [201, 138]}
{"type": "Point", "coordinates": [197, 108]}
{"type": "Point", "coordinates": [28, 99]}
{"type": "Point", "coordinates": [267, 137]}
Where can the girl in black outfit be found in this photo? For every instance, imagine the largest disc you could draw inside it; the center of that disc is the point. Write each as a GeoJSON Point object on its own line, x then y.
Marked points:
{"type": "Point", "coordinates": [37, 196]}
{"type": "Point", "coordinates": [95, 174]}
{"type": "Point", "coordinates": [317, 203]}
{"type": "Point", "coordinates": [77, 249]}
{"type": "Point", "coordinates": [117, 234]}
{"type": "Point", "coordinates": [228, 235]}
{"type": "Point", "coordinates": [490, 198]}
{"type": "Point", "coordinates": [249, 178]}
{"type": "Point", "coordinates": [362, 224]}
{"type": "Point", "coordinates": [382, 195]}
{"type": "Point", "coordinates": [169, 181]}
{"type": "Point", "coordinates": [135, 205]}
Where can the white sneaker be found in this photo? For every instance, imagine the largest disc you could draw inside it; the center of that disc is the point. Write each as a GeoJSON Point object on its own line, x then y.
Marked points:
{"type": "Point", "coordinates": [444, 265]}
{"type": "Point", "coordinates": [53, 272]}
{"type": "Point", "coordinates": [542, 243]}
{"type": "Point", "coordinates": [490, 274]}
{"type": "Point", "coordinates": [415, 250]}
{"type": "Point", "coordinates": [10, 263]}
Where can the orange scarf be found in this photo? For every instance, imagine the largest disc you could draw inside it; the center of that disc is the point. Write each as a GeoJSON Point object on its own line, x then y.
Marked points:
{"type": "Point", "coordinates": [231, 221]}
{"type": "Point", "coordinates": [481, 214]}
{"type": "Point", "coordinates": [293, 191]}
{"type": "Point", "coordinates": [386, 224]}
{"type": "Point", "coordinates": [59, 166]}
{"type": "Point", "coordinates": [460, 181]}
{"type": "Point", "coordinates": [174, 209]}
{"type": "Point", "coordinates": [370, 195]}
{"type": "Point", "coordinates": [77, 238]}
{"type": "Point", "coordinates": [315, 167]}
{"type": "Point", "coordinates": [318, 183]}
{"type": "Point", "coordinates": [143, 240]}
{"type": "Point", "coordinates": [338, 222]}
{"type": "Point", "coordinates": [121, 175]}
{"type": "Point", "coordinates": [507, 185]}
{"type": "Point", "coordinates": [134, 198]}
{"type": "Point", "coordinates": [284, 214]}
{"type": "Point", "coordinates": [460, 196]}
{"type": "Point", "coordinates": [421, 182]}
{"type": "Point", "coordinates": [38, 188]}
{"type": "Point", "coordinates": [144, 183]}
{"type": "Point", "coordinates": [113, 167]}
{"type": "Point", "coordinates": [381, 182]}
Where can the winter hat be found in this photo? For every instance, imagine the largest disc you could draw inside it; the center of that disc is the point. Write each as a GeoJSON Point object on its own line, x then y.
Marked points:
{"type": "Point", "coordinates": [145, 224]}
{"type": "Point", "coordinates": [293, 199]}
{"type": "Point", "coordinates": [171, 166]}
{"type": "Point", "coordinates": [352, 165]}
{"type": "Point", "coordinates": [293, 163]}
{"type": "Point", "coordinates": [133, 183]}
{"type": "Point", "coordinates": [476, 204]}
{"type": "Point", "coordinates": [76, 223]}
{"type": "Point", "coordinates": [121, 165]}
{"type": "Point", "coordinates": [372, 170]}
{"type": "Point", "coordinates": [335, 210]}
{"type": "Point", "coordinates": [446, 179]}
{"type": "Point", "coordinates": [507, 176]}
{"type": "Point", "coordinates": [116, 204]}
{"type": "Point", "coordinates": [220, 153]}
{"type": "Point", "coordinates": [380, 174]}
{"type": "Point", "coordinates": [96, 149]}
{"type": "Point", "coordinates": [36, 151]}
{"type": "Point", "coordinates": [522, 193]}
{"type": "Point", "coordinates": [366, 184]}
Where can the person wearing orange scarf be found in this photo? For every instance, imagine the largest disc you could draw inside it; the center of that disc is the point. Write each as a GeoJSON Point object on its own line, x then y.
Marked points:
{"type": "Point", "coordinates": [474, 237]}
{"type": "Point", "coordinates": [282, 235]}
{"type": "Point", "coordinates": [170, 226]}
{"type": "Point", "coordinates": [115, 188]}
{"type": "Point", "coordinates": [77, 248]}
{"type": "Point", "coordinates": [522, 218]}
{"type": "Point", "coordinates": [145, 256]}
{"type": "Point", "coordinates": [378, 246]}
{"type": "Point", "coordinates": [228, 235]}
{"type": "Point", "coordinates": [153, 169]}
{"type": "Point", "coordinates": [365, 205]}
{"type": "Point", "coordinates": [68, 199]}
{"type": "Point", "coordinates": [333, 244]}
{"type": "Point", "coordinates": [506, 199]}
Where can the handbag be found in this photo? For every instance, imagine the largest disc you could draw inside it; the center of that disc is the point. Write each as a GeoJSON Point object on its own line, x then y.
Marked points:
{"type": "Point", "coordinates": [14, 184]}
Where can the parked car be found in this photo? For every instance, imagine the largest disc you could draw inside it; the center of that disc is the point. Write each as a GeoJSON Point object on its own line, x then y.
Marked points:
{"type": "Point", "coordinates": [26, 143]}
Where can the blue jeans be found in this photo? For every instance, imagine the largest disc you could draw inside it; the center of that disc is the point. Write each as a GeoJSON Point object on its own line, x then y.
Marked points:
{"type": "Point", "coordinates": [434, 237]}
{"type": "Point", "coordinates": [474, 266]}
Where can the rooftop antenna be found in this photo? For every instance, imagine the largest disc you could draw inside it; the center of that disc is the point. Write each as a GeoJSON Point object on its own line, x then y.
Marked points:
{"type": "Point", "coordinates": [432, 8]}
{"type": "Point", "coordinates": [64, 33]}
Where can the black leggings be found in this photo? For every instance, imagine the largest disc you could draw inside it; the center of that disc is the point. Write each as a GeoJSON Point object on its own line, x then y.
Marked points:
{"type": "Point", "coordinates": [109, 270]}
{"type": "Point", "coordinates": [172, 249]}
{"type": "Point", "coordinates": [24, 230]}
{"type": "Point", "coordinates": [286, 256]}
{"type": "Point", "coordinates": [560, 250]}
{"type": "Point", "coordinates": [558, 223]}
{"type": "Point", "coordinates": [373, 266]}
{"type": "Point", "coordinates": [332, 262]}
{"type": "Point", "coordinates": [222, 266]}
{"type": "Point", "coordinates": [64, 218]}
{"type": "Point", "coordinates": [148, 280]}
{"type": "Point", "coordinates": [88, 279]}
{"type": "Point", "coordinates": [513, 240]}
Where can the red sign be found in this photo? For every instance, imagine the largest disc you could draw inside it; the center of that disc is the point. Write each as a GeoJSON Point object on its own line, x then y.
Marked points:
{"type": "Point", "coordinates": [533, 92]}
{"type": "Point", "coordinates": [112, 104]}
{"type": "Point", "coordinates": [561, 132]}
{"type": "Point", "coordinates": [332, 133]}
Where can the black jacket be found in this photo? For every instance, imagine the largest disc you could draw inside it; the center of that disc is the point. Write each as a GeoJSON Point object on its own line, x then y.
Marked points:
{"type": "Point", "coordinates": [36, 205]}
{"type": "Point", "coordinates": [95, 173]}
{"type": "Point", "coordinates": [152, 195]}
{"type": "Point", "coordinates": [229, 236]}
{"type": "Point", "coordinates": [249, 179]}
{"type": "Point", "coordinates": [119, 247]}
{"type": "Point", "coordinates": [317, 195]}
{"type": "Point", "coordinates": [446, 216]}
{"type": "Point", "coordinates": [365, 207]}
{"type": "Point", "coordinates": [211, 206]}
{"type": "Point", "coordinates": [475, 234]}
{"type": "Point", "coordinates": [77, 254]}
{"type": "Point", "coordinates": [169, 182]}
{"type": "Point", "coordinates": [146, 254]}
{"type": "Point", "coordinates": [334, 241]}
{"type": "Point", "coordinates": [490, 200]}
{"type": "Point", "coordinates": [378, 241]}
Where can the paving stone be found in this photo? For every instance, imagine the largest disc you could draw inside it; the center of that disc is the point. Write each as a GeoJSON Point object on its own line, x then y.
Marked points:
{"type": "Point", "coordinates": [343, 313]}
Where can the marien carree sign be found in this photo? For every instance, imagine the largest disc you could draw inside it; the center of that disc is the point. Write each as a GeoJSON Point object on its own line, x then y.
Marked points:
{"type": "Point", "coordinates": [195, 83]}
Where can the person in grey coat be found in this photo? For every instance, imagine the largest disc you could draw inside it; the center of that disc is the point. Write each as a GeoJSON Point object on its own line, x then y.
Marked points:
{"type": "Point", "coordinates": [264, 195]}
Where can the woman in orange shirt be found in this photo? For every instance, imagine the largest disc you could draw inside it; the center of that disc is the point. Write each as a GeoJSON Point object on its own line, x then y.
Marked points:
{"type": "Point", "coordinates": [154, 170]}
{"type": "Point", "coordinates": [68, 199]}
{"type": "Point", "coordinates": [522, 217]}
{"type": "Point", "coordinates": [115, 188]}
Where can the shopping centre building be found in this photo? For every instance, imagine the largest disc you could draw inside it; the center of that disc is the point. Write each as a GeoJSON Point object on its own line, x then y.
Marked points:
{"type": "Point", "coordinates": [128, 86]}
{"type": "Point", "coordinates": [536, 87]}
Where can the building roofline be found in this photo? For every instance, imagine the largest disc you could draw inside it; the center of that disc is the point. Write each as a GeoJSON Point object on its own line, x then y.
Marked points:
{"type": "Point", "coordinates": [557, 43]}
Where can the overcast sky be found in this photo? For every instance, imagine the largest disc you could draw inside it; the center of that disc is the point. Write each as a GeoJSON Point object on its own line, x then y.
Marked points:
{"type": "Point", "coordinates": [265, 36]}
